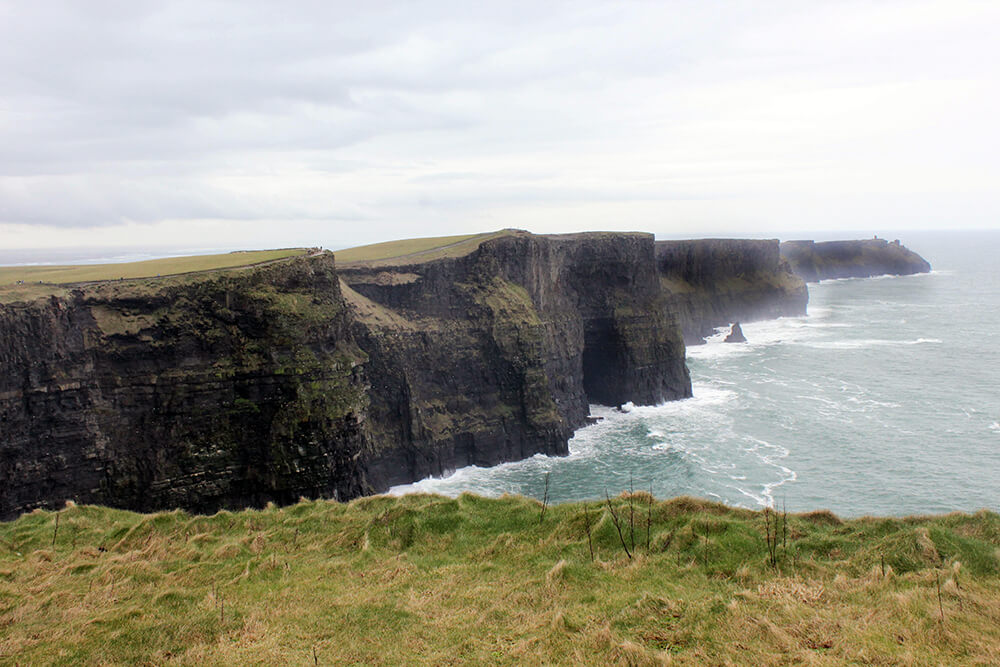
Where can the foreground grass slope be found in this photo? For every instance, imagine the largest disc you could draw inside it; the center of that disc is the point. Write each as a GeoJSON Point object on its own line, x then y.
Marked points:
{"type": "Point", "coordinates": [432, 580]}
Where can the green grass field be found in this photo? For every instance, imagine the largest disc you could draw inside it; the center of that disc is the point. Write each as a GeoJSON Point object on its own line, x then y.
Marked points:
{"type": "Point", "coordinates": [78, 273]}
{"type": "Point", "coordinates": [433, 580]}
{"type": "Point", "coordinates": [418, 250]}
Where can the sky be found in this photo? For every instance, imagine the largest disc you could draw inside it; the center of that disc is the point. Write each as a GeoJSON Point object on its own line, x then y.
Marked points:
{"type": "Point", "coordinates": [263, 124]}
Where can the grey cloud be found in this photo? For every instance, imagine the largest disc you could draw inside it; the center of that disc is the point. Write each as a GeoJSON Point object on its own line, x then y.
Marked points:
{"type": "Point", "coordinates": [146, 111]}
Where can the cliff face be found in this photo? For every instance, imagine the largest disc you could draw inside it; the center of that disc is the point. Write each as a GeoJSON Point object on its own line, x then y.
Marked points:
{"type": "Point", "coordinates": [226, 390]}
{"type": "Point", "coordinates": [851, 259]}
{"type": "Point", "coordinates": [236, 388]}
{"type": "Point", "coordinates": [710, 283]}
{"type": "Point", "coordinates": [495, 355]}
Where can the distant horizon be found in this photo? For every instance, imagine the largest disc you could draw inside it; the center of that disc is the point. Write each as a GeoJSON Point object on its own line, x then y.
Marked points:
{"type": "Point", "coordinates": [116, 254]}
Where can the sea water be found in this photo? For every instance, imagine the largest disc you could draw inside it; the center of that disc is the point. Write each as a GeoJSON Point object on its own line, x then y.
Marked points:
{"type": "Point", "coordinates": [884, 399]}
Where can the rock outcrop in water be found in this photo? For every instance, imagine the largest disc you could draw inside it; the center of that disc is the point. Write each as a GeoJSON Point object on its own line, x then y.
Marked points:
{"type": "Point", "coordinates": [814, 261]}
{"type": "Point", "coordinates": [735, 334]}
{"type": "Point", "coordinates": [711, 283]}
{"type": "Point", "coordinates": [235, 388]}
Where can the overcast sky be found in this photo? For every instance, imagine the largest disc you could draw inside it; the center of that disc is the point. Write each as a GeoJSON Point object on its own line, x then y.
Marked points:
{"type": "Point", "coordinates": [262, 124]}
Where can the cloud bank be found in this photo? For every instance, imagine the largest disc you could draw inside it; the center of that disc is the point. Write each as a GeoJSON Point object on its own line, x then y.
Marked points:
{"type": "Point", "coordinates": [253, 123]}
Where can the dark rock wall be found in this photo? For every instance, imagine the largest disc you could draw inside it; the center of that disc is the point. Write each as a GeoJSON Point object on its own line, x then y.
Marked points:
{"type": "Point", "coordinates": [495, 356]}
{"type": "Point", "coordinates": [710, 283]}
{"type": "Point", "coordinates": [236, 388]}
{"type": "Point", "coordinates": [217, 392]}
{"type": "Point", "coordinates": [851, 259]}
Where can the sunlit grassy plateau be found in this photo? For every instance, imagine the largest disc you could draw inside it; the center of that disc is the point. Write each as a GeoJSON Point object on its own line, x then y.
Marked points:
{"type": "Point", "coordinates": [432, 580]}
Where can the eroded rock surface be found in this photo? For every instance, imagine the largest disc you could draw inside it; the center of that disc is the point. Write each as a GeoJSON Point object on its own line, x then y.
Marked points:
{"type": "Point", "coordinates": [236, 388]}
{"type": "Point", "coordinates": [710, 283]}
{"type": "Point", "coordinates": [495, 356]}
{"type": "Point", "coordinates": [224, 390]}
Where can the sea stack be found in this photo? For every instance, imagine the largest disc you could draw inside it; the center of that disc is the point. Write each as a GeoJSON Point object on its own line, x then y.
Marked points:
{"type": "Point", "coordinates": [736, 335]}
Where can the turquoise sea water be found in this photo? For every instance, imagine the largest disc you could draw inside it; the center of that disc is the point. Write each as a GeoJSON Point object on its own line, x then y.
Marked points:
{"type": "Point", "coordinates": [885, 399]}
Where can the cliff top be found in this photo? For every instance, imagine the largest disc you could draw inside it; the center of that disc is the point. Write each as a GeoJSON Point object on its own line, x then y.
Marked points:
{"type": "Point", "coordinates": [29, 282]}
{"type": "Point", "coordinates": [416, 251]}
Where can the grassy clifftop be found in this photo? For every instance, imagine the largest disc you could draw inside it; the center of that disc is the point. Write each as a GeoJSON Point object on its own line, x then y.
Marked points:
{"type": "Point", "coordinates": [414, 251]}
{"type": "Point", "coordinates": [19, 283]}
{"type": "Point", "coordinates": [426, 579]}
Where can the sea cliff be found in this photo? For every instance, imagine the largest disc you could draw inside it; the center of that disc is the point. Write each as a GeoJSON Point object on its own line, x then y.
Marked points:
{"type": "Point", "coordinates": [299, 378]}
{"type": "Point", "coordinates": [495, 355]}
{"type": "Point", "coordinates": [223, 390]}
{"type": "Point", "coordinates": [814, 261]}
{"type": "Point", "coordinates": [710, 283]}
{"type": "Point", "coordinates": [311, 376]}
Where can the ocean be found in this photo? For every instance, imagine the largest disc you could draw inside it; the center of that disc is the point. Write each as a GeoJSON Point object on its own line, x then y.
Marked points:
{"type": "Point", "coordinates": [883, 400]}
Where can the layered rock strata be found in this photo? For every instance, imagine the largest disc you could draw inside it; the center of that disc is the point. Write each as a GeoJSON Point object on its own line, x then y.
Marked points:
{"type": "Point", "coordinates": [495, 355]}
{"type": "Point", "coordinates": [226, 390]}
{"type": "Point", "coordinates": [236, 388]}
{"type": "Point", "coordinates": [710, 283]}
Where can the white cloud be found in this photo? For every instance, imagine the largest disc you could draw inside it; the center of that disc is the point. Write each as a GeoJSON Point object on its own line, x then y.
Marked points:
{"type": "Point", "coordinates": [258, 124]}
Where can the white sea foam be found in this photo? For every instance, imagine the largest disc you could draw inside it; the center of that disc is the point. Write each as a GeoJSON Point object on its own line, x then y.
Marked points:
{"type": "Point", "coordinates": [758, 334]}
{"type": "Point", "coordinates": [776, 418]}
{"type": "Point", "coordinates": [862, 343]}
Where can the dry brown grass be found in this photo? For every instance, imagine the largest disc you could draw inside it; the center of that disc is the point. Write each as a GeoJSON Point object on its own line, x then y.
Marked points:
{"type": "Point", "coordinates": [430, 580]}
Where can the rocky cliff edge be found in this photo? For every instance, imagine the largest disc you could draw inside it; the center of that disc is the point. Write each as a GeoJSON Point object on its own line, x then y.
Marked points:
{"type": "Point", "coordinates": [814, 261]}
{"type": "Point", "coordinates": [299, 378]}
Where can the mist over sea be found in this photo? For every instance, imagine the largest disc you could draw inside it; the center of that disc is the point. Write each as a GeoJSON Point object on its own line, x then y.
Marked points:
{"type": "Point", "coordinates": [885, 400]}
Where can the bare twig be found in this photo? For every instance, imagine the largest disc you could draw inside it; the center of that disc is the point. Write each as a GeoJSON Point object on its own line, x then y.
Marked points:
{"type": "Point", "coordinates": [55, 531]}
{"type": "Point", "coordinates": [545, 499]}
{"type": "Point", "coordinates": [631, 512]}
{"type": "Point", "coordinates": [649, 514]}
{"type": "Point", "coordinates": [937, 574]}
{"type": "Point", "coordinates": [784, 526]}
{"type": "Point", "coordinates": [590, 542]}
{"type": "Point", "coordinates": [618, 525]}
{"type": "Point", "coordinates": [771, 537]}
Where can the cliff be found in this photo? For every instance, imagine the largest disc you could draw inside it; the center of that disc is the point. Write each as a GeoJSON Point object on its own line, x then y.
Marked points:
{"type": "Point", "coordinates": [711, 283]}
{"type": "Point", "coordinates": [495, 355]}
{"type": "Point", "coordinates": [219, 390]}
{"type": "Point", "coordinates": [236, 388]}
{"type": "Point", "coordinates": [851, 259]}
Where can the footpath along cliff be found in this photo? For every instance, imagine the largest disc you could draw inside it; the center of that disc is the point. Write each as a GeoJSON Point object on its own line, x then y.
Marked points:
{"type": "Point", "coordinates": [338, 377]}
